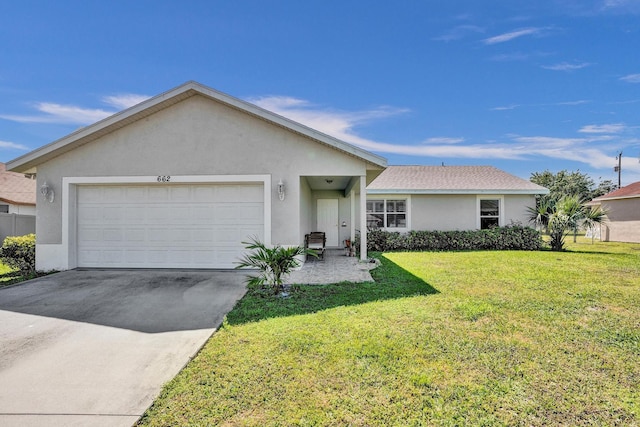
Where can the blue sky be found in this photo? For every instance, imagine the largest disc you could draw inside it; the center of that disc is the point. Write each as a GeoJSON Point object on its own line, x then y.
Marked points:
{"type": "Point", "coordinates": [521, 85]}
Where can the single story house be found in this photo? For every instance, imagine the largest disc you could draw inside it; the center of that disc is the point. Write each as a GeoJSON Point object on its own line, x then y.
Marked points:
{"type": "Point", "coordinates": [182, 179]}
{"type": "Point", "coordinates": [622, 223]}
{"type": "Point", "coordinates": [17, 192]}
{"type": "Point", "coordinates": [17, 204]}
{"type": "Point", "coordinates": [444, 198]}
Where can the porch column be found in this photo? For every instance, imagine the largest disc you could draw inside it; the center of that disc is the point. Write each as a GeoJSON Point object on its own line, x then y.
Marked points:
{"type": "Point", "coordinates": [363, 218]}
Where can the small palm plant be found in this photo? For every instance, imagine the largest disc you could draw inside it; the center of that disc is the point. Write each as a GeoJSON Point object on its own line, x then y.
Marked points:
{"type": "Point", "coordinates": [563, 216]}
{"type": "Point", "coordinates": [274, 264]}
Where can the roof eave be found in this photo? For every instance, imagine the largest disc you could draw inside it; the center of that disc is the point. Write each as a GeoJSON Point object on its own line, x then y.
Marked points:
{"type": "Point", "coordinates": [604, 199]}
{"type": "Point", "coordinates": [455, 191]}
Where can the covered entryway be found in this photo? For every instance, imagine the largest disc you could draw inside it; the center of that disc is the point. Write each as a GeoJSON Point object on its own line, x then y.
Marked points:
{"type": "Point", "coordinates": [167, 225]}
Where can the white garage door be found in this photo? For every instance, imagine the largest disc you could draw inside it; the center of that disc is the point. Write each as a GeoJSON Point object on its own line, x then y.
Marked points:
{"type": "Point", "coordinates": [167, 226]}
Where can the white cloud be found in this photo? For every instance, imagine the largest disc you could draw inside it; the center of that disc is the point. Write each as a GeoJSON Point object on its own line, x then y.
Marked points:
{"type": "Point", "coordinates": [514, 106]}
{"type": "Point", "coordinates": [459, 32]}
{"type": "Point", "coordinates": [52, 112]}
{"type": "Point", "coordinates": [124, 101]}
{"type": "Point", "coordinates": [335, 123]}
{"type": "Point", "coordinates": [506, 107]}
{"type": "Point", "coordinates": [13, 146]}
{"type": "Point", "coordinates": [631, 78]}
{"type": "Point", "coordinates": [444, 140]}
{"type": "Point", "coordinates": [342, 125]}
{"type": "Point", "coordinates": [608, 128]}
{"type": "Point", "coordinates": [565, 66]}
{"type": "Point", "coordinates": [501, 38]}
{"type": "Point", "coordinates": [59, 113]}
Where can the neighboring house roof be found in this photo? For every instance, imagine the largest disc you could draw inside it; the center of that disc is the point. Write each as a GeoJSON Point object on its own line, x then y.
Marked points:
{"type": "Point", "coordinates": [15, 188]}
{"type": "Point", "coordinates": [451, 180]}
{"type": "Point", "coordinates": [29, 161]}
{"type": "Point", "coordinates": [628, 192]}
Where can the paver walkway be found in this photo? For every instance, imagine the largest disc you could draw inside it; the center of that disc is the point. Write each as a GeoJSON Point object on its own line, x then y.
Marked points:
{"type": "Point", "coordinates": [334, 268]}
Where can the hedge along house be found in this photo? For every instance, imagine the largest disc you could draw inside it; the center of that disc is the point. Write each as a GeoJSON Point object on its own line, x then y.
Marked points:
{"type": "Point", "coordinates": [182, 179]}
{"type": "Point", "coordinates": [405, 198]}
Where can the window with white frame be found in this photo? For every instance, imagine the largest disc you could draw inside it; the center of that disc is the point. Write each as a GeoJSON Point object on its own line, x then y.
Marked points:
{"type": "Point", "coordinates": [489, 213]}
{"type": "Point", "coordinates": [385, 213]}
{"type": "Point", "coordinates": [4, 208]}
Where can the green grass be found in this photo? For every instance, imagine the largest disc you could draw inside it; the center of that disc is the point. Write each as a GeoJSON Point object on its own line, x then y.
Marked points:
{"type": "Point", "coordinates": [468, 338]}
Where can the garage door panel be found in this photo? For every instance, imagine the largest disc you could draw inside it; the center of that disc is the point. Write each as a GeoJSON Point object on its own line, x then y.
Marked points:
{"type": "Point", "coordinates": [167, 226]}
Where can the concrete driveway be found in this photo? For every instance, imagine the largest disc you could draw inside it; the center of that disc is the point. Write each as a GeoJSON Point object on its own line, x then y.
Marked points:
{"type": "Point", "coordinates": [95, 347]}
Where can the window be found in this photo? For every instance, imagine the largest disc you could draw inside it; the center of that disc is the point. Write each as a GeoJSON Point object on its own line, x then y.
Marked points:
{"type": "Point", "coordinates": [4, 208]}
{"type": "Point", "coordinates": [386, 214]}
{"type": "Point", "coordinates": [489, 213]}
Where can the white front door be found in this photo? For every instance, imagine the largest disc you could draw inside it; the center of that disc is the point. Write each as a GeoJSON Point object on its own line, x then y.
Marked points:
{"type": "Point", "coordinates": [328, 220]}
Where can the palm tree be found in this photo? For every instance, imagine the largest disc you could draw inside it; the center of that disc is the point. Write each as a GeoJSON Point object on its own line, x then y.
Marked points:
{"type": "Point", "coordinates": [273, 263]}
{"type": "Point", "coordinates": [563, 216]}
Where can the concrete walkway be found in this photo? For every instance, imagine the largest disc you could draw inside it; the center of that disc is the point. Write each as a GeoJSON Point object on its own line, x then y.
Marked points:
{"type": "Point", "coordinates": [334, 268]}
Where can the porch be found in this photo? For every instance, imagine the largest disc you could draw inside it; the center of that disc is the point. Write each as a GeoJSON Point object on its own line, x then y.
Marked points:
{"type": "Point", "coordinates": [336, 267]}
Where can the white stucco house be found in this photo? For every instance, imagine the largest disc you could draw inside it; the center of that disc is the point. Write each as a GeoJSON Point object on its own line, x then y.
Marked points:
{"type": "Point", "coordinates": [182, 179]}
{"type": "Point", "coordinates": [622, 223]}
{"type": "Point", "coordinates": [443, 198]}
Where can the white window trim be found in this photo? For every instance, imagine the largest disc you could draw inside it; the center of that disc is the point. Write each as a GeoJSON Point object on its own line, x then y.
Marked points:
{"type": "Point", "coordinates": [406, 197]}
{"type": "Point", "coordinates": [500, 199]}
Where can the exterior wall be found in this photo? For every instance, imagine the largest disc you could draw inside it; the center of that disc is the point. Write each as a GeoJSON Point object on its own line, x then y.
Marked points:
{"type": "Point", "coordinates": [196, 137]}
{"type": "Point", "coordinates": [623, 220]}
{"type": "Point", "coordinates": [446, 212]}
{"type": "Point", "coordinates": [306, 209]}
{"type": "Point", "coordinates": [443, 212]}
{"type": "Point", "coordinates": [515, 210]}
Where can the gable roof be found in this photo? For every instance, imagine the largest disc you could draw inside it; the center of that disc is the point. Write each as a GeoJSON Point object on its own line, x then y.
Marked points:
{"type": "Point", "coordinates": [451, 180]}
{"type": "Point", "coordinates": [29, 161]}
{"type": "Point", "coordinates": [627, 192]}
{"type": "Point", "coordinates": [15, 188]}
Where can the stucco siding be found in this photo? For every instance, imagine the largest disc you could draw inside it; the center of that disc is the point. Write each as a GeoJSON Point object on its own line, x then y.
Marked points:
{"type": "Point", "coordinates": [443, 212]}
{"type": "Point", "coordinates": [199, 136]}
{"type": "Point", "coordinates": [516, 208]}
{"type": "Point", "coordinates": [623, 220]}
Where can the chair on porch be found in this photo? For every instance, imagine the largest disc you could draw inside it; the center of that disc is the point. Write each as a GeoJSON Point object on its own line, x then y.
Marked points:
{"type": "Point", "coordinates": [316, 241]}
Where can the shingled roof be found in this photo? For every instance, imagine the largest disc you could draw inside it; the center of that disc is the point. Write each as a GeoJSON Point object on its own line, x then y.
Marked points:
{"type": "Point", "coordinates": [15, 188]}
{"type": "Point", "coordinates": [626, 192]}
{"type": "Point", "coordinates": [451, 180]}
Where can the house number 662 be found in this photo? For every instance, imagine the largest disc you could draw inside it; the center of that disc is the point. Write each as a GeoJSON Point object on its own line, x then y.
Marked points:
{"type": "Point", "coordinates": [164, 178]}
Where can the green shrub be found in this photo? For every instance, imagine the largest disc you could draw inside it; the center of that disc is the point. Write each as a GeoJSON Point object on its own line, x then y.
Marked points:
{"type": "Point", "coordinates": [20, 253]}
{"type": "Point", "coordinates": [513, 237]}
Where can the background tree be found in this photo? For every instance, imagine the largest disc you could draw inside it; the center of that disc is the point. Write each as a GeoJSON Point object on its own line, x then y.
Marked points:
{"type": "Point", "coordinates": [564, 183]}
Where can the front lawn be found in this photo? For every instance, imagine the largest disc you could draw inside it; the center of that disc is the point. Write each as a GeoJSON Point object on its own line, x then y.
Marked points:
{"type": "Point", "coordinates": [467, 338]}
